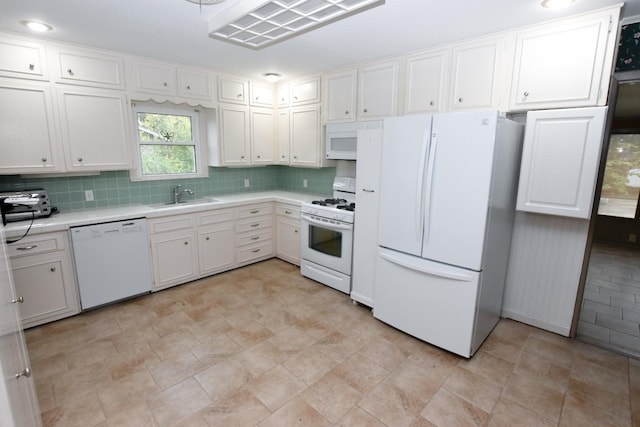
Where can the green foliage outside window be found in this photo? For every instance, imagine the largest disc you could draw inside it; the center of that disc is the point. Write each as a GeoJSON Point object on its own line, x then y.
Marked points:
{"type": "Point", "coordinates": [623, 163]}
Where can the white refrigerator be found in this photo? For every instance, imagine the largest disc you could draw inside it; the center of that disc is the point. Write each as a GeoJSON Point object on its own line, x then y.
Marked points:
{"type": "Point", "coordinates": [447, 202]}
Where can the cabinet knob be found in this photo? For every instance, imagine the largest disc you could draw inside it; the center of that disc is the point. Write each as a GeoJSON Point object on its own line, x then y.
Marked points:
{"type": "Point", "coordinates": [70, 71]}
{"type": "Point", "coordinates": [282, 156]}
{"type": "Point", "coordinates": [26, 372]}
{"type": "Point", "coordinates": [281, 99]}
{"type": "Point", "coordinates": [188, 87]}
{"type": "Point", "coordinates": [165, 84]}
{"type": "Point", "coordinates": [186, 243]}
{"type": "Point", "coordinates": [295, 98]}
{"type": "Point", "coordinates": [295, 157]}
{"type": "Point", "coordinates": [460, 100]}
{"type": "Point", "coordinates": [18, 300]}
{"type": "Point", "coordinates": [258, 156]}
{"type": "Point", "coordinates": [365, 110]}
{"type": "Point", "coordinates": [207, 238]}
{"type": "Point", "coordinates": [53, 269]}
{"type": "Point", "coordinates": [288, 212]}
{"type": "Point", "coordinates": [242, 157]}
{"type": "Point", "coordinates": [432, 103]}
{"type": "Point", "coordinates": [346, 112]}
{"type": "Point", "coordinates": [295, 231]}
{"type": "Point", "coordinates": [257, 97]}
{"type": "Point", "coordinates": [44, 159]}
{"type": "Point", "coordinates": [32, 67]}
{"type": "Point", "coordinates": [526, 93]}
{"type": "Point", "coordinates": [239, 96]}
{"type": "Point", "coordinates": [79, 159]}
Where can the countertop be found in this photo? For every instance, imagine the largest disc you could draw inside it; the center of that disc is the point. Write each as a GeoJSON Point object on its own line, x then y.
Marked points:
{"type": "Point", "coordinates": [62, 221]}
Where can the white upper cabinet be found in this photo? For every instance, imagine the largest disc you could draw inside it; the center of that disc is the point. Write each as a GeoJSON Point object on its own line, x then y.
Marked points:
{"type": "Point", "coordinates": [564, 65]}
{"type": "Point", "coordinates": [195, 84]}
{"type": "Point", "coordinates": [29, 142]}
{"type": "Point", "coordinates": [426, 82]}
{"type": "Point", "coordinates": [378, 91]}
{"type": "Point", "coordinates": [95, 128]}
{"type": "Point", "coordinates": [283, 136]}
{"type": "Point", "coordinates": [305, 91]}
{"type": "Point", "coordinates": [475, 74]}
{"type": "Point", "coordinates": [232, 90]}
{"type": "Point", "coordinates": [87, 68]}
{"type": "Point", "coordinates": [154, 77]}
{"type": "Point", "coordinates": [340, 96]}
{"type": "Point", "coordinates": [560, 160]}
{"type": "Point", "coordinates": [233, 127]}
{"type": "Point", "coordinates": [306, 136]}
{"type": "Point", "coordinates": [263, 136]}
{"type": "Point", "coordinates": [261, 95]}
{"type": "Point", "coordinates": [24, 59]}
{"type": "Point", "coordinates": [282, 97]}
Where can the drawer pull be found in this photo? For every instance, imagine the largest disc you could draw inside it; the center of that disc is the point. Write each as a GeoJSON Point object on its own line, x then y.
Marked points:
{"type": "Point", "coordinates": [255, 238]}
{"type": "Point", "coordinates": [255, 251]}
{"type": "Point", "coordinates": [288, 212]}
{"type": "Point", "coordinates": [255, 225]}
{"type": "Point", "coordinates": [53, 269]}
{"type": "Point", "coordinates": [18, 300]}
{"type": "Point", "coordinates": [27, 248]}
{"type": "Point", "coordinates": [255, 211]}
{"type": "Point", "coordinates": [26, 372]}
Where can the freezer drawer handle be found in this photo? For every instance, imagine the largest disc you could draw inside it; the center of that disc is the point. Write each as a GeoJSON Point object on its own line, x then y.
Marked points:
{"type": "Point", "coordinates": [367, 190]}
{"type": "Point", "coordinates": [445, 274]}
{"type": "Point", "coordinates": [27, 248]}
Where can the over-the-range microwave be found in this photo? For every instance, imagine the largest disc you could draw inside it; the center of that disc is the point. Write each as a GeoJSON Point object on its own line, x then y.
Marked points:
{"type": "Point", "coordinates": [342, 138]}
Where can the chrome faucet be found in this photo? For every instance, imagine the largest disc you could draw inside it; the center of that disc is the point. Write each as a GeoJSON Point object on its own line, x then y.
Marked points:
{"type": "Point", "coordinates": [177, 193]}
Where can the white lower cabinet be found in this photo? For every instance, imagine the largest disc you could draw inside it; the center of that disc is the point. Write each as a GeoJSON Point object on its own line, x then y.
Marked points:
{"type": "Point", "coordinates": [215, 236]}
{"type": "Point", "coordinates": [44, 280]}
{"type": "Point", "coordinates": [288, 232]}
{"type": "Point", "coordinates": [254, 233]}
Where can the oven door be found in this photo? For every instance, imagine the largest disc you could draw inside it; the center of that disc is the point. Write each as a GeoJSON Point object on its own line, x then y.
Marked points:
{"type": "Point", "coordinates": [328, 244]}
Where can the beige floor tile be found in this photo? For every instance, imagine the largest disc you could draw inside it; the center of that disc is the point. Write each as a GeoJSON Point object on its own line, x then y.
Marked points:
{"type": "Point", "coordinates": [77, 382]}
{"type": "Point", "coordinates": [91, 353]}
{"type": "Point", "coordinates": [46, 397]}
{"type": "Point", "coordinates": [502, 348]}
{"type": "Point", "coordinates": [488, 367]}
{"type": "Point", "coordinates": [476, 390]}
{"type": "Point", "coordinates": [292, 340]}
{"type": "Point", "coordinates": [601, 357]}
{"type": "Point", "coordinates": [47, 367]}
{"type": "Point", "coordinates": [331, 396]}
{"type": "Point", "coordinates": [250, 334]}
{"type": "Point", "coordinates": [446, 409]}
{"type": "Point", "coordinates": [223, 378]}
{"type": "Point", "coordinates": [295, 413]}
{"type": "Point", "coordinates": [600, 376]}
{"type": "Point", "coordinates": [392, 405]}
{"type": "Point", "coordinates": [552, 375]}
{"type": "Point", "coordinates": [127, 393]}
{"type": "Point", "coordinates": [634, 390]}
{"type": "Point", "coordinates": [275, 387]}
{"type": "Point", "coordinates": [129, 361]}
{"type": "Point", "coordinates": [216, 350]}
{"type": "Point", "coordinates": [509, 414]}
{"type": "Point", "coordinates": [173, 343]}
{"type": "Point", "coordinates": [139, 416]}
{"type": "Point", "coordinates": [419, 380]}
{"type": "Point", "coordinates": [240, 408]}
{"type": "Point", "coordinates": [338, 346]}
{"type": "Point", "coordinates": [360, 373]}
{"type": "Point", "coordinates": [209, 328]}
{"type": "Point", "coordinates": [593, 406]}
{"type": "Point", "coordinates": [262, 357]}
{"type": "Point", "coordinates": [385, 353]}
{"type": "Point", "coordinates": [175, 321]}
{"type": "Point", "coordinates": [552, 352]}
{"type": "Point", "coordinates": [277, 320]}
{"type": "Point", "coordinates": [82, 412]}
{"type": "Point", "coordinates": [135, 318]}
{"type": "Point", "coordinates": [534, 395]}
{"type": "Point", "coordinates": [175, 369]}
{"type": "Point", "coordinates": [310, 365]}
{"type": "Point", "coordinates": [134, 337]}
{"type": "Point", "coordinates": [358, 417]}
{"type": "Point", "coordinates": [178, 402]}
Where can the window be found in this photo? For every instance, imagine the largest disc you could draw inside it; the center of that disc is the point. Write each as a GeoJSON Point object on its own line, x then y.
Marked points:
{"type": "Point", "coordinates": [621, 184]}
{"type": "Point", "coordinates": [168, 142]}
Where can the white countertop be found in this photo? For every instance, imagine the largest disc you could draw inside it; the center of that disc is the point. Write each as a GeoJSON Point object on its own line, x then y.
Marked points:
{"type": "Point", "coordinates": [64, 220]}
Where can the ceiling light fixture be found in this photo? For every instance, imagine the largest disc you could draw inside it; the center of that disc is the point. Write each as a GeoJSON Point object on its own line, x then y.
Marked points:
{"type": "Point", "coordinates": [556, 4]}
{"type": "Point", "coordinates": [272, 77]}
{"type": "Point", "coordinates": [260, 23]}
{"type": "Point", "coordinates": [37, 26]}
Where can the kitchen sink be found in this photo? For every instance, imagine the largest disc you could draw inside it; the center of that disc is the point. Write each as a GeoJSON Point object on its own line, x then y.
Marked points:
{"type": "Point", "coordinates": [187, 203]}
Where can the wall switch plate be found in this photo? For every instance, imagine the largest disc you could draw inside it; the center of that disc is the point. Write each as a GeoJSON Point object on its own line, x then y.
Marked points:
{"type": "Point", "coordinates": [246, 183]}
{"type": "Point", "coordinates": [88, 195]}
{"type": "Point", "coordinates": [305, 184]}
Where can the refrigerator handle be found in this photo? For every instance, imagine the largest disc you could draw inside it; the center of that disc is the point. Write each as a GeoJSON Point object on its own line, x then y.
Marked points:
{"type": "Point", "coordinates": [420, 186]}
{"type": "Point", "coordinates": [422, 269]}
{"type": "Point", "coordinates": [427, 197]}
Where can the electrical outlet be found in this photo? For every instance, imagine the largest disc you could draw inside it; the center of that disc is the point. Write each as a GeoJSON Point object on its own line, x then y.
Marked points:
{"type": "Point", "coordinates": [632, 238]}
{"type": "Point", "coordinates": [88, 196]}
{"type": "Point", "coordinates": [305, 184]}
{"type": "Point", "coordinates": [246, 183]}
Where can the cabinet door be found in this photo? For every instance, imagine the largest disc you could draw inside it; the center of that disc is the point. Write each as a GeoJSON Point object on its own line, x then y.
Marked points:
{"type": "Point", "coordinates": [261, 95]}
{"type": "Point", "coordinates": [560, 161]}
{"type": "Point", "coordinates": [288, 239]}
{"type": "Point", "coordinates": [23, 59]}
{"type": "Point", "coordinates": [378, 91]}
{"type": "Point", "coordinates": [305, 91]}
{"type": "Point", "coordinates": [234, 135]}
{"type": "Point", "coordinates": [175, 258]}
{"type": "Point", "coordinates": [263, 136]}
{"type": "Point", "coordinates": [426, 82]}
{"type": "Point", "coordinates": [475, 75]}
{"type": "Point", "coordinates": [215, 243]}
{"type": "Point", "coordinates": [232, 90]}
{"type": "Point", "coordinates": [365, 231]}
{"type": "Point", "coordinates": [283, 136]}
{"type": "Point", "coordinates": [340, 97]}
{"type": "Point", "coordinates": [89, 68]}
{"type": "Point", "coordinates": [560, 65]}
{"type": "Point", "coordinates": [155, 77]}
{"type": "Point", "coordinates": [305, 136]}
{"type": "Point", "coordinates": [194, 84]}
{"type": "Point", "coordinates": [48, 288]}
{"type": "Point", "coordinates": [95, 129]}
{"type": "Point", "coordinates": [29, 142]}
{"type": "Point", "coordinates": [283, 95]}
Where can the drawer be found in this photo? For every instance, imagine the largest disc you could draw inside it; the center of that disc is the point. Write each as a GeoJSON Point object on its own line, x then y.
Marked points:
{"type": "Point", "coordinates": [254, 210]}
{"type": "Point", "coordinates": [215, 217]}
{"type": "Point", "coordinates": [40, 243]}
{"type": "Point", "coordinates": [171, 223]}
{"type": "Point", "coordinates": [289, 211]}
{"type": "Point", "coordinates": [250, 238]}
{"type": "Point", "coordinates": [253, 252]}
{"type": "Point", "coordinates": [252, 224]}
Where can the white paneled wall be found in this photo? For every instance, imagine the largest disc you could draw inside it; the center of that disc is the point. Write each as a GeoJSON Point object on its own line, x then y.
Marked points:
{"type": "Point", "coordinates": [544, 270]}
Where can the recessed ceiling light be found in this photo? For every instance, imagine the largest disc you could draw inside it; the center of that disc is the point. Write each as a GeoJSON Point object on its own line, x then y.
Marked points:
{"type": "Point", "coordinates": [37, 26]}
{"type": "Point", "coordinates": [272, 77]}
{"type": "Point", "coordinates": [260, 23]}
{"type": "Point", "coordinates": [556, 4]}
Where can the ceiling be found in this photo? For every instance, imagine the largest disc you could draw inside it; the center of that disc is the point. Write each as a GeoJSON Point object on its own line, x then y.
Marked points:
{"type": "Point", "coordinates": [177, 31]}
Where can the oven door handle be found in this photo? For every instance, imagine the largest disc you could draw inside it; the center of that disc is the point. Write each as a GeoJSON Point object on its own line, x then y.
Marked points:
{"type": "Point", "coordinates": [325, 224]}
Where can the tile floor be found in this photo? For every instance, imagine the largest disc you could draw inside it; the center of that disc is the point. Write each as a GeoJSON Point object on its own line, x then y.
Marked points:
{"type": "Point", "coordinates": [610, 312]}
{"type": "Point", "coordinates": [264, 346]}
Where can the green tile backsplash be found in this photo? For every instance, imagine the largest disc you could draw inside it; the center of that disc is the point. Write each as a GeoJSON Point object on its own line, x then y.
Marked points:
{"type": "Point", "coordinates": [115, 188]}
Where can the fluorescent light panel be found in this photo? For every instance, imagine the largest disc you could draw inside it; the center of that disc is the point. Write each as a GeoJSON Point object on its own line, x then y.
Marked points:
{"type": "Point", "coordinates": [258, 23]}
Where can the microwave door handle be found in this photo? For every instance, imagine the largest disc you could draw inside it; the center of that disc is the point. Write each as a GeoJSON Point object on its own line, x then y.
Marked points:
{"type": "Point", "coordinates": [326, 225]}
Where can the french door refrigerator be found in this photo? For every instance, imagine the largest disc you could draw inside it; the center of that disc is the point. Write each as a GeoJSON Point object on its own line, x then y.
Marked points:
{"type": "Point", "coordinates": [447, 202]}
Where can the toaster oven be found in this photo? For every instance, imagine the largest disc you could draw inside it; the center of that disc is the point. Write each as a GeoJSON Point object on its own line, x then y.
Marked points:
{"type": "Point", "coordinates": [26, 204]}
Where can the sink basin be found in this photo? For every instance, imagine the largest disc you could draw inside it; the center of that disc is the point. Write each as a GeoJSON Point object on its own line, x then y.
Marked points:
{"type": "Point", "coordinates": [186, 203]}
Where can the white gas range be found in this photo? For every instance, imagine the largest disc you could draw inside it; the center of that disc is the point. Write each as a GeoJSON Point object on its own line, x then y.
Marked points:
{"type": "Point", "coordinates": [327, 236]}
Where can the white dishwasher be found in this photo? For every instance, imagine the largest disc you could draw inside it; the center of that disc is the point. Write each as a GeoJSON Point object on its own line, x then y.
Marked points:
{"type": "Point", "coordinates": [112, 261]}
